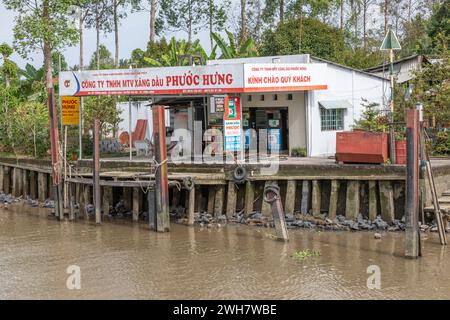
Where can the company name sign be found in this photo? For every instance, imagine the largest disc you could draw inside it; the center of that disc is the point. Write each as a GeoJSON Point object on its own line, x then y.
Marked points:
{"type": "Point", "coordinates": [230, 78]}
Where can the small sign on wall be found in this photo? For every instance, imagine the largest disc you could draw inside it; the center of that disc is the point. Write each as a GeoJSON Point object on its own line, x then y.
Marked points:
{"type": "Point", "coordinates": [70, 107]}
{"type": "Point", "coordinates": [232, 124]}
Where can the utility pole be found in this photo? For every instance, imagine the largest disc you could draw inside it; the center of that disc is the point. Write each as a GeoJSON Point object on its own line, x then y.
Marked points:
{"type": "Point", "coordinates": [391, 43]}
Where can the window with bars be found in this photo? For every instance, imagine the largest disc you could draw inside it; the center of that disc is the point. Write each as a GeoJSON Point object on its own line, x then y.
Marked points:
{"type": "Point", "coordinates": [331, 119]}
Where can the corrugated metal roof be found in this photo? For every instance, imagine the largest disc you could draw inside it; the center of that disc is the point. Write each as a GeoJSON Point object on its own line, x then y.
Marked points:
{"type": "Point", "coordinates": [335, 104]}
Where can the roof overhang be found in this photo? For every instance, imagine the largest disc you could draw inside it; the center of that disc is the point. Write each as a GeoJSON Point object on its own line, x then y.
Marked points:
{"type": "Point", "coordinates": [335, 104]}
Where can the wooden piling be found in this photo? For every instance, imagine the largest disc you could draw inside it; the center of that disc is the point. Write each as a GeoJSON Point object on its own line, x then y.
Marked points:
{"type": "Point", "coordinates": [175, 198]}
{"type": "Point", "coordinates": [218, 201]}
{"type": "Point", "coordinates": [81, 199]}
{"type": "Point", "coordinates": [211, 197]}
{"type": "Point", "coordinates": [249, 197]}
{"type": "Point", "coordinates": [42, 186]}
{"type": "Point", "coordinates": [315, 198]}
{"type": "Point", "coordinates": [231, 199]}
{"type": "Point", "coordinates": [127, 197]}
{"type": "Point", "coordinates": [386, 200]}
{"type": "Point", "coordinates": [7, 180]}
{"type": "Point", "coordinates": [198, 199]}
{"type": "Point", "coordinates": [372, 200]}
{"type": "Point", "coordinates": [352, 200]}
{"type": "Point", "coordinates": [25, 184]}
{"type": "Point", "coordinates": [15, 182]}
{"type": "Point", "coordinates": [71, 187]}
{"type": "Point", "coordinates": [289, 202]}
{"type": "Point", "coordinates": [191, 207]}
{"type": "Point", "coordinates": [334, 195]}
{"type": "Point", "coordinates": [107, 200]}
{"type": "Point", "coordinates": [2, 176]}
{"type": "Point", "coordinates": [86, 198]}
{"type": "Point", "coordinates": [33, 185]}
{"type": "Point", "coordinates": [136, 203]}
{"type": "Point", "coordinates": [304, 207]}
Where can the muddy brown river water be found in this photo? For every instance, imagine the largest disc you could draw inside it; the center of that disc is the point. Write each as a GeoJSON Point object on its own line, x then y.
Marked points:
{"type": "Point", "coordinates": [122, 260]}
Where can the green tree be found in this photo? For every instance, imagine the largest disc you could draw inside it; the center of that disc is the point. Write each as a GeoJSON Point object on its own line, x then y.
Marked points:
{"type": "Point", "coordinates": [432, 88]}
{"type": "Point", "coordinates": [440, 22]}
{"type": "Point", "coordinates": [8, 70]}
{"type": "Point", "coordinates": [104, 61]}
{"type": "Point", "coordinates": [102, 108]}
{"type": "Point", "coordinates": [319, 39]}
{"type": "Point", "coordinates": [371, 118]}
{"type": "Point", "coordinates": [184, 15]}
{"type": "Point", "coordinates": [42, 25]}
{"type": "Point", "coordinates": [30, 123]}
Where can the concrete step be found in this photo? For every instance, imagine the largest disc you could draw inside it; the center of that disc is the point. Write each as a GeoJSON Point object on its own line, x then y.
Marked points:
{"type": "Point", "coordinates": [446, 193]}
{"type": "Point", "coordinates": [444, 200]}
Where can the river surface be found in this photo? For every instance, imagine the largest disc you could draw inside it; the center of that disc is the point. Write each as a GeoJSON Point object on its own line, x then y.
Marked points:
{"type": "Point", "coordinates": [122, 260]}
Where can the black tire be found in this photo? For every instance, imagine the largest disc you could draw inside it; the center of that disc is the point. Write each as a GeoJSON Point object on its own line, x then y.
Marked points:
{"type": "Point", "coordinates": [239, 174]}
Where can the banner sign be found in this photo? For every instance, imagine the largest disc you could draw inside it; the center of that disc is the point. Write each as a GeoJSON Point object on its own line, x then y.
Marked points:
{"type": "Point", "coordinates": [232, 124]}
{"type": "Point", "coordinates": [210, 79]}
{"type": "Point", "coordinates": [283, 77]}
{"type": "Point", "coordinates": [170, 80]}
{"type": "Point", "coordinates": [70, 107]}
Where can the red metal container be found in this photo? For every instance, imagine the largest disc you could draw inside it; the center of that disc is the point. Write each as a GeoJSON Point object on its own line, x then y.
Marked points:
{"type": "Point", "coordinates": [361, 147]}
{"type": "Point", "coordinates": [400, 151]}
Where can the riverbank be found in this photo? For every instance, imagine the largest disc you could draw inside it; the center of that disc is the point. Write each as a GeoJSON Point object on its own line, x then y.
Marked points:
{"type": "Point", "coordinates": [125, 260]}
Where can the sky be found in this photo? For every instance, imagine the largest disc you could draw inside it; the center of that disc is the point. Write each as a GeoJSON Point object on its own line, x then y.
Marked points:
{"type": "Point", "coordinates": [136, 24]}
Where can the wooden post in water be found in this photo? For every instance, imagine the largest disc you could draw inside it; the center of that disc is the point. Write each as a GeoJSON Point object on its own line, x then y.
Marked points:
{"type": "Point", "coordinates": [191, 207]}
{"type": "Point", "coordinates": [161, 179]}
{"type": "Point", "coordinates": [136, 203]}
{"type": "Point", "coordinates": [54, 143]}
{"type": "Point", "coordinates": [42, 186]}
{"type": "Point", "coordinates": [249, 197]}
{"type": "Point", "coordinates": [289, 203]}
{"type": "Point", "coordinates": [304, 208]}
{"type": "Point", "coordinates": [218, 201]}
{"type": "Point", "coordinates": [211, 197]}
{"type": "Point", "coordinates": [352, 200]}
{"type": "Point", "coordinates": [33, 185]}
{"type": "Point", "coordinates": [316, 199]}
{"type": "Point", "coordinates": [96, 173]}
{"type": "Point", "coordinates": [6, 180]}
{"type": "Point", "coordinates": [231, 199]}
{"type": "Point", "coordinates": [334, 193]}
{"type": "Point", "coordinates": [412, 236]}
{"type": "Point", "coordinates": [25, 184]}
{"type": "Point", "coordinates": [2, 176]}
{"type": "Point", "coordinates": [107, 200]}
{"type": "Point", "coordinates": [372, 200]}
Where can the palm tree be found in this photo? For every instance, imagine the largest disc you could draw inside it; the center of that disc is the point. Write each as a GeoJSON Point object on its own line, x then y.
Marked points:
{"type": "Point", "coordinates": [233, 49]}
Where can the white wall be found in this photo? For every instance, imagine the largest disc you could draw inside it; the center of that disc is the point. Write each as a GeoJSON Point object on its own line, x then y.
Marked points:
{"type": "Point", "coordinates": [343, 84]}
{"type": "Point", "coordinates": [138, 111]}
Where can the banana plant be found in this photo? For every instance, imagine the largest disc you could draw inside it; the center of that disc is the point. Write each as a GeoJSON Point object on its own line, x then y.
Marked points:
{"type": "Point", "coordinates": [178, 54]}
{"type": "Point", "coordinates": [232, 49]}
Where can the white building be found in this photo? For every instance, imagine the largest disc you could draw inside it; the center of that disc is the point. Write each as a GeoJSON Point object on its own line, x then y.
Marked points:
{"type": "Point", "coordinates": [300, 100]}
{"type": "Point", "coordinates": [314, 116]}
